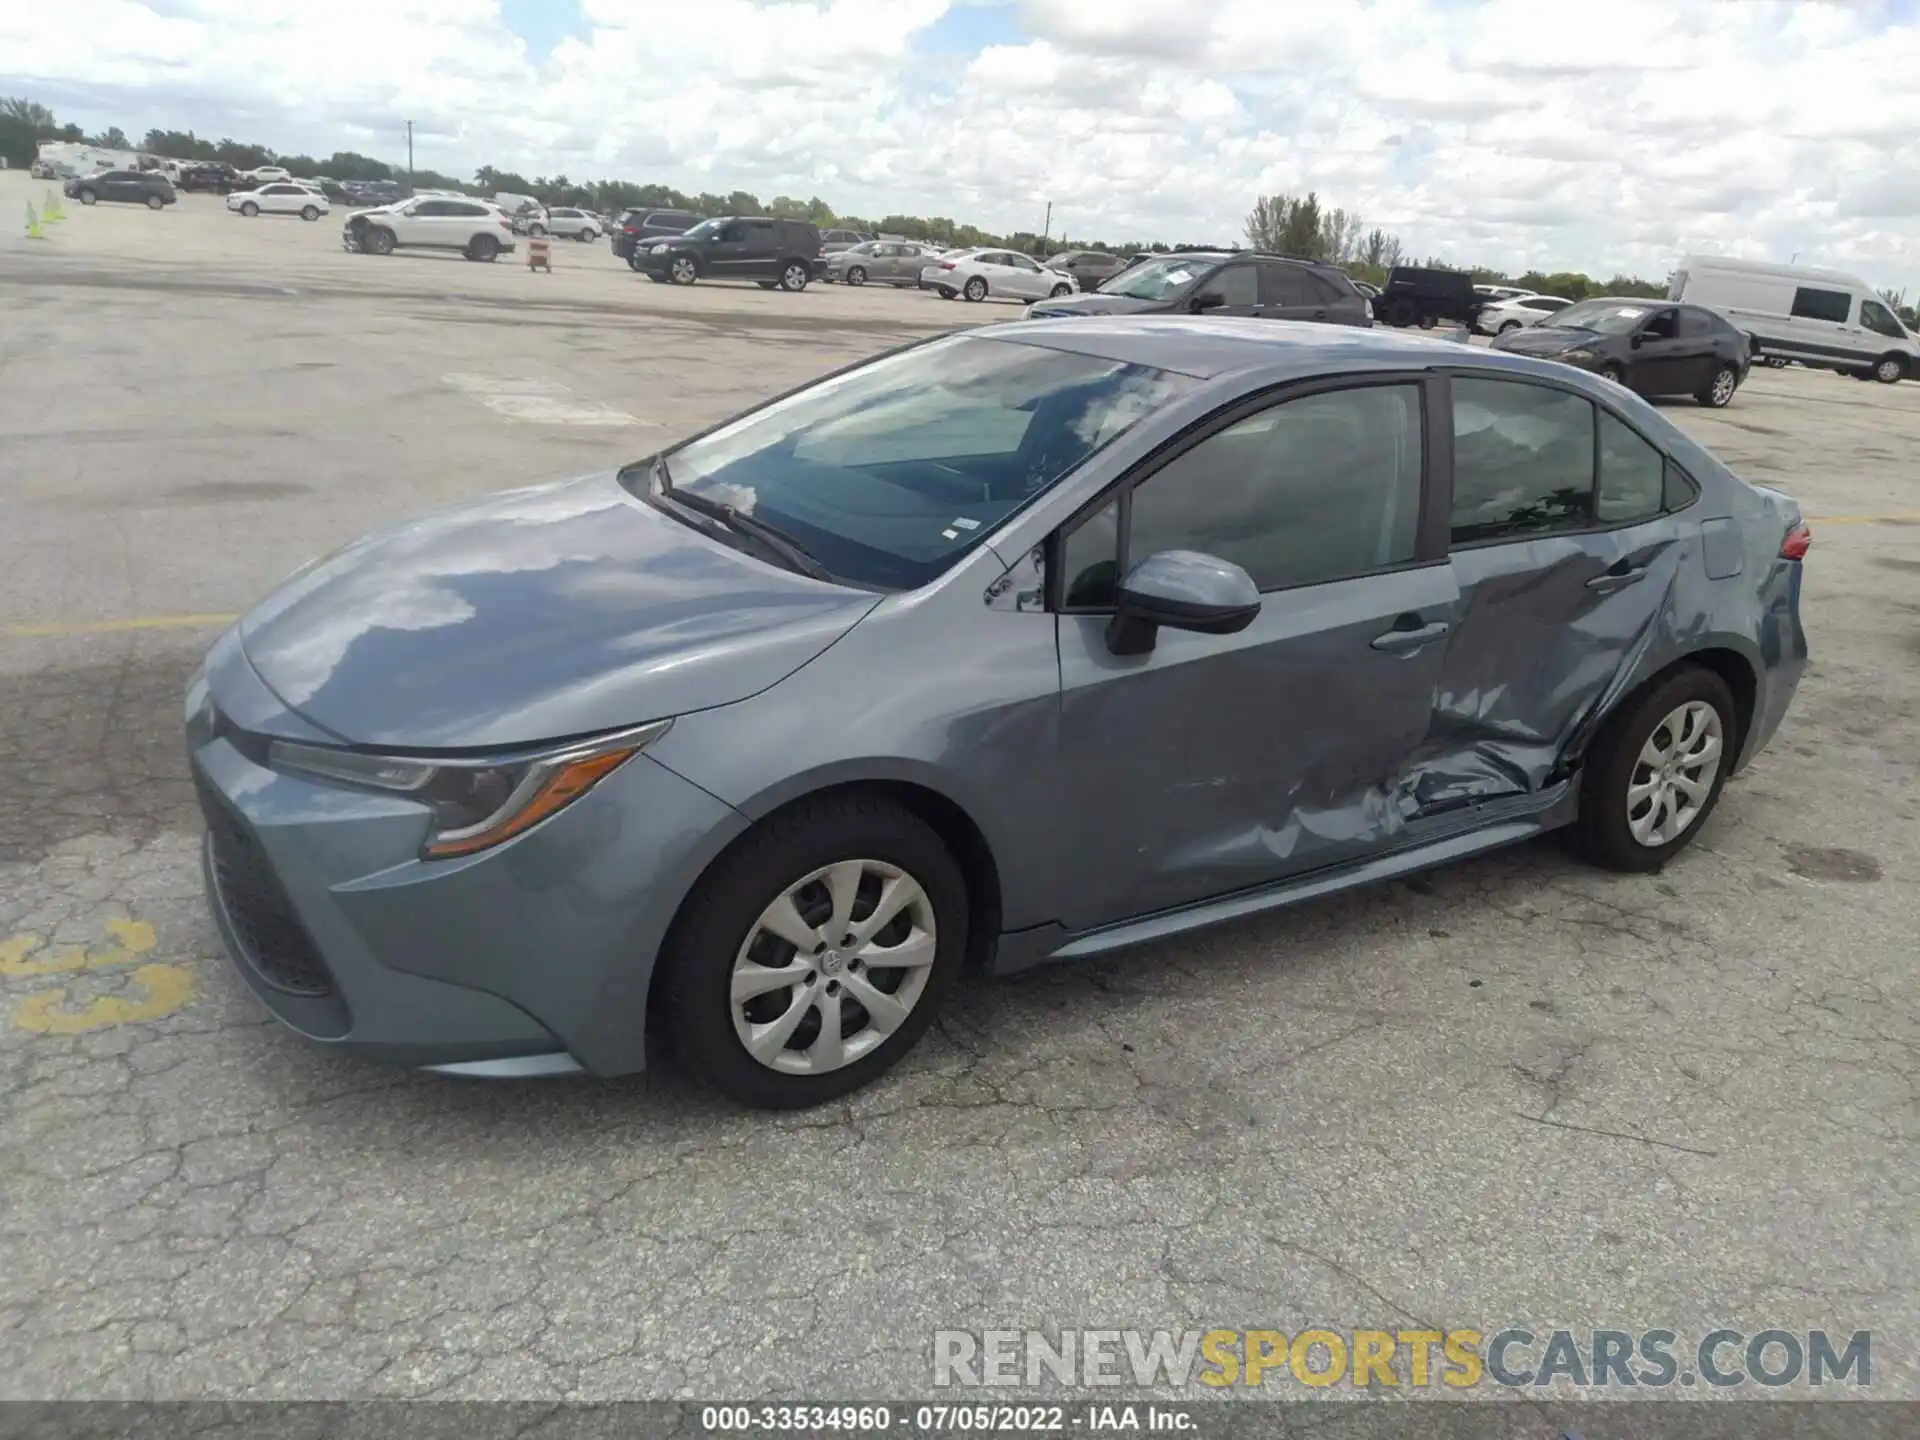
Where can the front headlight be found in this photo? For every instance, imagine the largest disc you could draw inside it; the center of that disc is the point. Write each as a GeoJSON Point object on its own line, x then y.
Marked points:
{"type": "Point", "coordinates": [475, 804]}
{"type": "Point", "coordinates": [1579, 352]}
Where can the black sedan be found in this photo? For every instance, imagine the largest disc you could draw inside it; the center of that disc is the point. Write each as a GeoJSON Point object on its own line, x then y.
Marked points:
{"type": "Point", "coordinates": [136, 187]}
{"type": "Point", "coordinates": [1649, 346]}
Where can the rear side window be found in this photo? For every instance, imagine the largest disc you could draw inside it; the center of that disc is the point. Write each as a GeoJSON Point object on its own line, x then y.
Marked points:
{"type": "Point", "coordinates": [1307, 491]}
{"type": "Point", "coordinates": [1522, 460]}
{"type": "Point", "coordinates": [1812, 304]}
{"type": "Point", "coordinates": [1694, 323]}
{"type": "Point", "coordinates": [1632, 475]}
{"type": "Point", "coordinates": [1286, 285]}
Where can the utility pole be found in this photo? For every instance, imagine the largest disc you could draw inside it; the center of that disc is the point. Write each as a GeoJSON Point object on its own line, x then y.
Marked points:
{"type": "Point", "coordinates": [409, 152]}
{"type": "Point", "coordinates": [1046, 227]}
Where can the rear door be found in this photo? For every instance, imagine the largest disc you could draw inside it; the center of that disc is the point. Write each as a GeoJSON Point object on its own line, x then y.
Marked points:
{"type": "Point", "coordinates": [1290, 292]}
{"type": "Point", "coordinates": [1564, 559]}
{"type": "Point", "coordinates": [1696, 349]}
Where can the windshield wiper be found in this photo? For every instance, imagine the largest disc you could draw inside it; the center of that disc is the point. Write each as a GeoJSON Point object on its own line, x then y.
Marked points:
{"type": "Point", "coordinates": [790, 551]}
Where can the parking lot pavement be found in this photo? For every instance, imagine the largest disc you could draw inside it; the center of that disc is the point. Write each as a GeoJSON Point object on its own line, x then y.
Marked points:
{"type": "Point", "coordinates": [1513, 1091]}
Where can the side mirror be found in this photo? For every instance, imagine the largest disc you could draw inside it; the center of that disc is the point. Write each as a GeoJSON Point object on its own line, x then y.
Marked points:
{"type": "Point", "coordinates": [1207, 300]}
{"type": "Point", "coordinates": [1184, 590]}
{"type": "Point", "coordinates": [1639, 339]}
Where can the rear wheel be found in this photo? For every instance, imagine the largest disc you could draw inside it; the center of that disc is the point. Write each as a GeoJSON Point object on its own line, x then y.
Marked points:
{"type": "Point", "coordinates": [483, 247]}
{"type": "Point", "coordinates": [793, 276]}
{"type": "Point", "coordinates": [1656, 771]}
{"type": "Point", "coordinates": [1719, 390]}
{"type": "Point", "coordinates": [1508, 326]}
{"type": "Point", "coordinates": [1890, 369]}
{"type": "Point", "coordinates": [154, 202]}
{"type": "Point", "coordinates": [813, 955]}
{"type": "Point", "coordinates": [309, 213]}
{"type": "Point", "coordinates": [945, 292]}
{"type": "Point", "coordinates": [976, 289]}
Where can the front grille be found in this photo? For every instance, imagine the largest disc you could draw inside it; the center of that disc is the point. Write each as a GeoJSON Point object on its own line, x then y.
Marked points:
{"type": "Point", "coordinates": [270, 935]}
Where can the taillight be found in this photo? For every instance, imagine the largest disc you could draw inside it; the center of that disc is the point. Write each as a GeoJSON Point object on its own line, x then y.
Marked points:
{"type": "Point", "coordinates": [944, 265]}
{"type": "Point", "coordinates": [1795, 546]}
{"type": "Point", "coordinates": [505, 224]}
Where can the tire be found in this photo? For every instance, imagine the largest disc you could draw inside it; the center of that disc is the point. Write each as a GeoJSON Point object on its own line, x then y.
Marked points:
{"type": "Point", "coordinates": [1718, 392]}
{"type": "Point", "coordinates": [719, 932]}
{"type": "Point", "coordinates": [1776, 362]}
{"type": "Point", "coordinates": [536, 230]}
{"type": "Point", "coordinates": [1058, 291]}
{"type": "Point", "coordinates": [87, 197]}
{"type": "Point", "coordinates": [586, 237]}
{"type": "Point", "coordinates": [1507, 327]}
{"type": "Point", "coordinates": [379, 241]}
{"type": "Point", "coordinates": [1400, 312]}
{"type": "Point", "coordinates": [1427, 322]}
{"type": "Point", "coordinates": [683, 270]}
{"type": "Point", "coordinates": [1866, 374]}
{"type": "Point", "coordinates": [154, 202]}
{"type": "Point", "coordinates": [856, 275]}
{"type": "Point", "coordinates": [794, 277]}
{"type": "Point", "coordinates": [309, 213]}
{"type": "Point", "coordinates": [249, 209]}
{"type": "Point", "coordinates": [1611, 371]}
{"type": "Point", "coordinates": [767, 284]}
{"type": "Point", "coordinates": [633, 260]}
{"type": "Point", "coordinates": [1890, 369]}
{"type": "Point", "coordinates": [1609, 816]}
{"type": "Point", "coordinates": [483, 247]}
{"type": "Point", "coordinates": [976, 289]}
{"type": "Point", "coordinates": [945, 292]}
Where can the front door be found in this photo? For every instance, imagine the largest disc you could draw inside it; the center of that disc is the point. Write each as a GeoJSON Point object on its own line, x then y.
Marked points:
{"type": "Point", "coordinates": [1238, 286]}
{"type": "Point", "coordinates": [1215, 763]}
{"type": "Point", "coordinates": [1562, 566]}
{"type": "Point", "coordinates": [1657, 364]}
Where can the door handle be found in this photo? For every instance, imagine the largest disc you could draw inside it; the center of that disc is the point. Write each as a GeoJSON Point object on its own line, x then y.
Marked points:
{"type": "Point", "coordinates": [1409, 636]}
{"type": "Point", "coordinates": [1617, 576]}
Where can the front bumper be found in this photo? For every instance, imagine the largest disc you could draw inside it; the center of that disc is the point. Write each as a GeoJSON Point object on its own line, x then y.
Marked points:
{"type": "Point", "coordinates": [533, 957]}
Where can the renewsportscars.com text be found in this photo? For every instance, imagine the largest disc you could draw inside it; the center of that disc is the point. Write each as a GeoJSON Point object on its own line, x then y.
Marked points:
{"type": "Point", "coordinates": [1413, 1359]}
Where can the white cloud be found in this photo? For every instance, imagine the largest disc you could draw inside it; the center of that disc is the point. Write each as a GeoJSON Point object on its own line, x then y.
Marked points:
{"type": "Point", "coordinates": [1604, 141]}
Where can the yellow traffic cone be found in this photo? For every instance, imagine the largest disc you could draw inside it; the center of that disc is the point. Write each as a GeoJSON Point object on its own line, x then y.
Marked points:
{"type": "Point", "coordinates": [51, 211]}
{"type": "Point", "coordinates": [34, 232]}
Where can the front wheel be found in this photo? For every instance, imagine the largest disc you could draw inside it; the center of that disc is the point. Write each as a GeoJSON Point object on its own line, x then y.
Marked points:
{"type": "Point", "coordinates": [1611, 373]}
{"type": "Point", "coordinates": [976, 289]}
{"type": "Point", "coordinates": [1059, 290]}
{"type": "Point", "coordinates": [633, 260]}
{"type": "Point", "coordinates": [309, 213]}
{"type": "Point", "coordinates": [1509, 327]}
{"type": "Point", "coordinates": [154, 202]}
{"type": "Point", "coordinates": [1719, 390]}
{"type": "Point", "coordinates": [1889, 369]}
{"type": "Point", "coordinates": [249, 209]}
{"type": "Point", "coordinates": [1656, 772]}
{"type": "Point", "coordinates": [378, 242]}
{"type": "Point", "coordinates": [858, 928]}
{"type": "Point", "coordinates": [87, 197]}
{"type": "Point", "coordinates": [856, 275]}
{"type": "Point", "coordinates": [683, 271]}
{"type": "Point", "coordinates": [793, 277]}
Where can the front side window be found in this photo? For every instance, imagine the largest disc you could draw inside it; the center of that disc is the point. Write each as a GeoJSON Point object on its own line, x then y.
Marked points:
{"type": "Point", "coordinates": [891, 472]}
{"type": "Point", "coordinates": [1237, 285]}
{"type": "Point", "coordinates": [1882, 321]}
{"type": "Point", "coordinates": [1309, 490]}
{"type": "Point", "coordinates": [1810, 303]}
{"type": "Point", "coordinates": [1522, 460]}
{"type": "Point", "coordinates": [1662, 325]}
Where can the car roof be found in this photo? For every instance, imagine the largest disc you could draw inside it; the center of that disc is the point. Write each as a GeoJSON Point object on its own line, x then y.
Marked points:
{"type": "Point", "coordinates": [1209, 346]}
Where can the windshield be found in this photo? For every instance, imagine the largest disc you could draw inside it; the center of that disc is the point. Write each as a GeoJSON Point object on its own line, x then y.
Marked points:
{"type": "Point", "coordinates": [1607, 317]}
{"type": "Point", "coordinates": [888, 474]}
{"type": "Point", "coordinates": [1157, 279]}
{"type": "Point", "coordinates": [704, 230]}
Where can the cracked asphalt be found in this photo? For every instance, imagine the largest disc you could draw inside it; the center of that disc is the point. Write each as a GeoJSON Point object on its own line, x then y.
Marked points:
{"type": "Point", "coordinates": [1515, 1091]}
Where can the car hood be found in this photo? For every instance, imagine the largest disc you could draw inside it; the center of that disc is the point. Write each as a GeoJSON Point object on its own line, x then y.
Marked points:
{"type": "Point", "coordinates": [1095, 303]}
{"type": "Point", "coordinates": [534, 615]}
{"type": "Point", "coordinates": [1542, 340]}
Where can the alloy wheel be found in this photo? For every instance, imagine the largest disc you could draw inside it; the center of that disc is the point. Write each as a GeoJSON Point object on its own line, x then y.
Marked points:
{"type": "Point", "coordinates": [1888, 371]}
{"type": "Point", "coordinates": [683, 271]}
{"type": "Point", "coordinates": [833, 966]}
{"type": "Point", "coordinates": [1673, 777]}
{"type": "Point", "coordinates": [1723, 384]}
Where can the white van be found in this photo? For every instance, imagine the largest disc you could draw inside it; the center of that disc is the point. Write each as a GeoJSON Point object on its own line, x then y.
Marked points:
{"type": "Point", "coordinates": [1794, 312]}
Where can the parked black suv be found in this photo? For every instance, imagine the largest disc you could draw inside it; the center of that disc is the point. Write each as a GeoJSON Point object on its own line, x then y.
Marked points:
{"type": "Point", "coordinates": [1220, 282]}
{"type": "Point", "coordinates": [773, 252]}
{"type": "Point", "coordinates": [633, 227]}
{"type": "Point", "coordinates": [1417, 295]}
{"type": "Point", "coordinates": [136, 187]}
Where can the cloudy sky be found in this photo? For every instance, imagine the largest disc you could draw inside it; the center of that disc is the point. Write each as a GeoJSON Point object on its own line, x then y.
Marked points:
{"type": "Point", "coordinates": [1560, 133]}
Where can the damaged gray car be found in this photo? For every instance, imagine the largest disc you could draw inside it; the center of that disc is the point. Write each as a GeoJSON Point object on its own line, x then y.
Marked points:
{"type": "Point", "coordinates": [1016, 646]}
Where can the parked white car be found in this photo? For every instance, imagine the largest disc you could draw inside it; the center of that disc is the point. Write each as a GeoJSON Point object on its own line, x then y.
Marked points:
{"type": "Point", "coordinates": [431, 222]}
{"type": "Point", "coordinates": [567, 222]}
{"type": "Point", "coordinates": [284, 199]}
{"type": "Point", "coordinates": [1006, 274]}
{"type": "Point", "coordinates": [265, 175]}
{"type": "Point", "coordinates": [1517, 313]}
{"type": "Point", "coordinates": [1497, 293]}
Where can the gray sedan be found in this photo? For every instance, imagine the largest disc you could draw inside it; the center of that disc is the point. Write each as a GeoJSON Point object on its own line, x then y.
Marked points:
{"type": "Point", "coordinates": [1015, 646]}
{"type": "Point", "coordinates": [881, 262]}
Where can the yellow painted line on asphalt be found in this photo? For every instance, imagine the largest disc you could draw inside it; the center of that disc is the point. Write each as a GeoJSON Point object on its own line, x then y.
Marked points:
{"type": "Point", "coordinates": [114, 627]}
